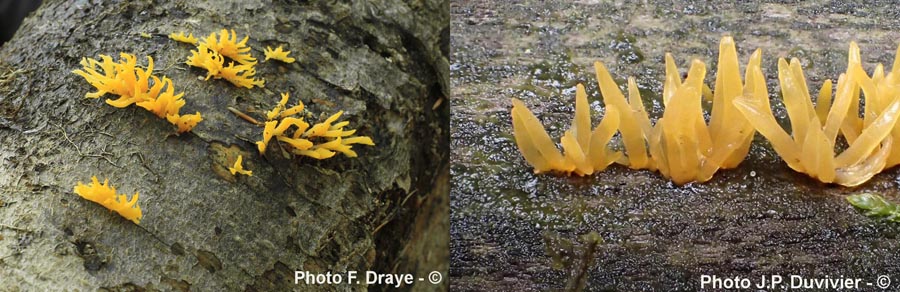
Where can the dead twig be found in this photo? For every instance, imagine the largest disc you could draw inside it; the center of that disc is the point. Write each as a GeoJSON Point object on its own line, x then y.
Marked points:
{"type": "Point", "coordinates": [244, 116]}
{"type": "Point", "coordinates": [386, 221]}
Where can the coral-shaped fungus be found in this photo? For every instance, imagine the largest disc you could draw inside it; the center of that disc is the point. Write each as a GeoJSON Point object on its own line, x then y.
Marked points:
{"type": "Point", "coordinates": [207, 59]}
{"type": "Point", "coordinates": [814, 129]}
{"type": "Point", "coordinates": [680, 145]}
{"type": "Point", "coordinates": [227, 45]}
{"type": "Point", "coordinates": [138, 86]}
{"type": "Point", "coordinates": [180, 37]}
{"type": "Point", "coordinates": [239, 168]}
{"type": "Point", "coordinates": [210, 55]}
{"type": "Point", "coordinates": [278, 54]}
{"type": "Point", "coordinates": [319, 141]}
{"type": "Point", "coordinates": [585, 151]}
{"type": "Point", "coordinates": [106, 196]}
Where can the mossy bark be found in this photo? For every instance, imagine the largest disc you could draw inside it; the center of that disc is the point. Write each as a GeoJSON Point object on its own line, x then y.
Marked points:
{"type": "Point", "coordinates": [384, 63]}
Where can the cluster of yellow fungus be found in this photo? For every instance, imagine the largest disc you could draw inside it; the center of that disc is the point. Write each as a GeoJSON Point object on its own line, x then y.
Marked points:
{"type": "Point", "coordinates": [239, 168]}
{"type": "Point", "coordinates": [105, 195]}
{"type": "Point", "coordinates": [228, 45]}
{"type": "Point", "coordinates": [319, 141]}
{"type": "Point", "coordinates": [138, 86]}
{"type": "Point", "coordinates": [278, 54]}
{"type": "Point", "coordinates": [810, 148]}
{"type": "Point", "coordinates": [585, 150]}
{"type": "Point", "coordinates": [210, 55]}
{"type": "Point", "coordinates": [681, 145]}
{"type": "Point", "coordinates": [180, 37]}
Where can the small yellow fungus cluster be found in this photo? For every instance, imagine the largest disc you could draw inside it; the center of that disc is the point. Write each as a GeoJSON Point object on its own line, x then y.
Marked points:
{"type": "Point", "coordinates": [680, 145]}
{"type": "Point", "coordinates": [238, 168]}
{"type": "Point", "coordinates": [138, 86]}
{"type": "Point", "coordinates": [210, 55]}
{"type": "Point", "coordinates": [585, 150]}
{"type": "Point", "coordinates": [227, 45]}
{"type": "Point", "coordinates": [106, 196]}
{"type": "Point", "coordinates": [278, 54]}
{"type": "Point", "coordinates": [180, 37]}
{"type": "Point", "coordinates": [815, 129]}
{"type": "Point", "coordinates": [319, 141]}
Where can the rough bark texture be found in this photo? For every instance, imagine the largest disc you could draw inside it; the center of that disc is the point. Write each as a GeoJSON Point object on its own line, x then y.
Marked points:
{"type": "Point", "coordinates": [384, 63]}
{"type": "Point", "coordinates": [513, 230]}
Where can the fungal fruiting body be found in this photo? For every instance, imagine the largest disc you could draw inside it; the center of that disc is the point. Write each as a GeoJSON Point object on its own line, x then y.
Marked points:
{"type": "Point", "coordinates": [239, 168]}
{"type": "Point", "coordinates": [241, 75]}
{"type": "Point", "coordinates": [185, 122]}
{"type": "Point", "coordinates": [227, 45]}
{"type": "Point", "coordinates": [207, 59]}
{"type": "Point", "coordinates": [180, 37]}
{"type": "Point", "coordinates": [319, 141]}
{"type": "Point", "coordinates": [133, 86]}
{"type": "Point", "coordinates": [210, 55]}
{"type": "Point", "coordinates": [106, 196]}
{"type": "Point", "coordinates": [280, 111]}
{"type": "Point", "coordinates": [278, 54]}
{"type": "Point", "coordinates": [680, 145]}
{"type": "Point", "coordinates": [584, 151]}
{"type": "Point", "coordinates": [885, 87]}
{"type": "Point", "coordinates": [814, 129]}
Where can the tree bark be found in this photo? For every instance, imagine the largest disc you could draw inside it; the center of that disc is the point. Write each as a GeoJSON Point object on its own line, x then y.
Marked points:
{"type": "Point", "coordinates": [384, 63]}
{"type": "Point", "coordinates": [514, 230]}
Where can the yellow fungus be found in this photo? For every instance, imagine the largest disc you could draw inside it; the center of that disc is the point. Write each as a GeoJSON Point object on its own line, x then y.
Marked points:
{"type": "Point", "coordinates": [132, 85]}
{"type": "Point", "coordinates": [294, 110]}
{"type": "Point", "coordinates": [180, 37]}
{"type": "Point", "coordinates": [814, 129]}
{"type": "Point", "coordinates": [185, 122]}
{"type": "Point", "coordinates": [319, 141]}
{"type": "Point", "coordinates": [585, 151]}
{"type": "Point", "coordinates": [227, 45]}
{"type": "Point", "coordinates": [299, 144]}
{"type": "Point", "coordinates": [240, 75]}
{"type": "Point", "coordinates": [319, 153]}
{"type": "Point", "coordinates": [278, 54]}
{"type": "Point", "coordinates": [238, 168]}
{"type": "Point", "coordinates": [116, 78]}
{"type": "Point", "coordinates": [276, 112]}
{"type": "Point", "coordinates": [272, 114]}
{"type": "Point", "coordinates": [207, 59]}
{"type": "Point", "coordinates": [680, 145]}
{"type": "Point", "coordinates": [321, 128]}
{"type": "Point", "coordinates": [210, 55]}
{"type": "Point", "coordinates": [358, 140]}
{"type": "Point", "coordinates": [268, 133]}
{"type": "Point", "coordinates": [166, 102]}
{"type": "Point", "coordinates": [106, 196]}
{"type": "Point", "coordinates": [684, 147]}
